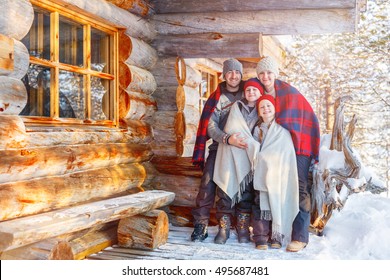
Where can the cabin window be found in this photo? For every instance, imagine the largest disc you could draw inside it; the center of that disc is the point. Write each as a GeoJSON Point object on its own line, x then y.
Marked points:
{"type": "Point", "coordinates": [73, 67]}
{"type": "Point", "coordinates": [207, 86]}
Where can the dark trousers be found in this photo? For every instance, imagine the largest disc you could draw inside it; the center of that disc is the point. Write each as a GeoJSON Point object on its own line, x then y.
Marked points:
{"type": "Point", "coordinates": [300, 229]}
{"type": "Point", "coordinates": [208, 190]}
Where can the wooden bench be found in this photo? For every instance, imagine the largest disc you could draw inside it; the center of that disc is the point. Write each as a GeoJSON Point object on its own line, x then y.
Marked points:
{"type": "Point", "coordinates": [27, 230]}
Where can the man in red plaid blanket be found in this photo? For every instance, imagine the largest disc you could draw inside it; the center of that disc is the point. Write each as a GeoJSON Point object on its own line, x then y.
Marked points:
{"type": "Point", "coordinates": [211, 124]}
{"type": "Point", "coordinates": [294, 113]}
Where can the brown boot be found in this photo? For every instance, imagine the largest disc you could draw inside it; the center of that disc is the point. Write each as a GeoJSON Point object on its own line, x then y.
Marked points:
{"type": "Point", "coordinates": [223, 230]}
{"type": "Point", "coordinates": [242, 227]}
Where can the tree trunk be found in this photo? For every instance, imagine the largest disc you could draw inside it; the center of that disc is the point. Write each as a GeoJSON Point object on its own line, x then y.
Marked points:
{"type": "Point", "coordinates": [139, 7]}
{"type": "Point", "coordinates": [141, 81]}
{"type": "Point", "coordinates": [145, 231]}
{"type": "Point", "coordinates": [187, 96]}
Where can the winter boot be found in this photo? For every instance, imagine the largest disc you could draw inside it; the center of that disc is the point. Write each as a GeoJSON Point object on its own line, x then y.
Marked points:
{"type": "Point", "coordinates": [242, 227]}
{"type": "Point", "coordinates": [223, 230]}
{"type": "Point", "coordinates": [200, 232]}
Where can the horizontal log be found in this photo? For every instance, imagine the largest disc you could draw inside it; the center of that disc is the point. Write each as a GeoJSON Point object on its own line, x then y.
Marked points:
{"type": "Point", "coordinates": [165, 98]}
{"type": "Point", "coordinates": [141, 80]}
{"type": "Point", "coordinates": [12, 132]}
{"type": "Point", "coordinates": [139, 7]}
{"type": "Point", "coordinates": [163, 126]}
{"type": "Point", "coordinates": [191, 114]}
{"type": "Point", "coordinates": [142, 54]}
{"type": "Point", "coordinates": [19, 232]}
{"type": "Point", "coordinates": [144, 231]}
{"type": "Point", "coordinates": [25, 164]}
{"type": "Point", "coordinates": [187, 96]}
{"type": "Point", "coordinates": [45, 250]}
{"type": "Point", "coordinates": [165, 72]}
{"type": "Point", "coordinates": [72, 246]}
{"type": "Point", "coordinates": [164, 148]}
{"type": "Point", "coordinates": [136, 106]}
{"type": "Point", "coordinates": [24, 198]}
{"type": "Point", "coordinates": [183, 166]}
{"type": "Point", "coordinates": [212, 45]}
{"type": "Point", "coordinates": [136, 26]}
{"type": "Point", "coordinates": [6, 55]}
{"type": "Point", "coordinates": [13, 96]}
{"type": "Point", "coordinates": [191, 78]}
{"type": "Point", "coordinates": [16, 18]}
{"type": "Point", "coordinates": [93, 242]}
{"type": "Point", "coordinates": [185, 188]}
{"type": "Point", "coordinates": [20, 61]}
{"type": "Point", "coordinates": [204, 6]}
{"type": "Point", "coordinates": [133, 131]}
{"type": "Point", "coordinates": [265, 22]}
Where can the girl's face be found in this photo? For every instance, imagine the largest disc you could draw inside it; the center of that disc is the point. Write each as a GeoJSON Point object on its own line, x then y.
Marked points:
{"type": "Point", "coordinates": [252, 94]}
{"type": "Point", "coordinates": [266, 110]}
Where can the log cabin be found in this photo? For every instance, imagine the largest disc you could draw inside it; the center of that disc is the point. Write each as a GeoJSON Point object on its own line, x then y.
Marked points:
{"type": "Point", "coordinates": [99, 107]}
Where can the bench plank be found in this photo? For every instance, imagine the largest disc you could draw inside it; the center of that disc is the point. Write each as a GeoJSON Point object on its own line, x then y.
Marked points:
{"type": "Point", "coordinates": [27, 230]}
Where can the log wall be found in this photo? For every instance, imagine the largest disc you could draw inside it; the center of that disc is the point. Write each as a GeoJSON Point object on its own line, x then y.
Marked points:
{"type": "Point", "coordinates": [49, 168]}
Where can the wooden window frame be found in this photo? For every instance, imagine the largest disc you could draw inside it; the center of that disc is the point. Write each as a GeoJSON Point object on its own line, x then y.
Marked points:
{"type": "Point", "coordinates": [57, 8]}
{"type": "Point", "coordinates": [211, 87]}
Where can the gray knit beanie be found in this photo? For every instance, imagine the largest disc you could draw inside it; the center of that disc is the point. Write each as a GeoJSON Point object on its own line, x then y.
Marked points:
{"type": "Point", "coordinates": [267, 64]}
{"type": "Point", "coordinates": [231, 65]}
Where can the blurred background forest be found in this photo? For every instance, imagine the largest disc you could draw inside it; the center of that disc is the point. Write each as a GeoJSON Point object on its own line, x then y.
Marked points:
{"type": "Point", "coordinates": [355, 65]}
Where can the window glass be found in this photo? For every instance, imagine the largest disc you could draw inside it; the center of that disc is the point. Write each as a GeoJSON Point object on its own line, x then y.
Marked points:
{"type": "Point", "coordinates": [71, 42]}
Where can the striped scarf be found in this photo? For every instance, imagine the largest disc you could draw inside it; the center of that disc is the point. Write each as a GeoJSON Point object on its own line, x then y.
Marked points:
{"type": "Point", "coordinates": [201, 135]}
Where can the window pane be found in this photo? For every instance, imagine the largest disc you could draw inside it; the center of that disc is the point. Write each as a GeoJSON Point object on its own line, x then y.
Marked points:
{"type": "Point", "coordinates": [100, 50]}
{"type": "Point", "coordinates": [37, 40]}
{"type": "Point", "coordinates": [71, 42]}
{"type": "Point", "coordinates": [100, 100]}
{"type": "Point", "coordinates": [72, 95]}
{"type": "Point", "coordinates": [37, 82]}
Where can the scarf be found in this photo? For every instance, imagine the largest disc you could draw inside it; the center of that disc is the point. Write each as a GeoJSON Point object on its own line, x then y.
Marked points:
{"type": "Point", "coordinates": [276, 177]}
{"type": "Point", "coordinates": [295, 114]}
{"type": "Point", "coordinates": [234, 166]}
{"type": "Point", "coordinates": [201, 135]}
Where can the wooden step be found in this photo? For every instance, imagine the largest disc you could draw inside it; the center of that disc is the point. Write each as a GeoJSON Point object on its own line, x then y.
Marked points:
{"type": "Point", "coordinates": [27, 230]}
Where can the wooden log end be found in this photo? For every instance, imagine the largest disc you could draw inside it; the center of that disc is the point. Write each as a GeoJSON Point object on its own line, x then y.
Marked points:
{"type": "Point", "coordinates": [145, 231]}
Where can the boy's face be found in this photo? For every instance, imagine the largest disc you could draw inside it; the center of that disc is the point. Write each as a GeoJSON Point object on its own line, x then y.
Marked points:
{"type": "Point", "coordinates": [252, 94]}
{"type": "Point", "coordinates": [266, 110]}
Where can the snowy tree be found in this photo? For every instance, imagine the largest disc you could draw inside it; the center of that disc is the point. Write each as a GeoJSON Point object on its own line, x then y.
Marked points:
{"type": "Point", "coordinates": [355, 65]}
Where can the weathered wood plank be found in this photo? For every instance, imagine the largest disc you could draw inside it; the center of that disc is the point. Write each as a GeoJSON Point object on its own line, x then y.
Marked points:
{"type": "Point", "coordinates": [204, 6]}
{"type": "Point", "coordinates": [265, 22]}
{"type": "Point", "coordinates": [210, 45]}
{"type": "Point", "coordinates": [27, 230]}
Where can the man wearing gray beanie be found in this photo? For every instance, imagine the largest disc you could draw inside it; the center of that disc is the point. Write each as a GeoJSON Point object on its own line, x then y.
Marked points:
{"type": "Point", "coordinates": [294, 113]}
{"type": "Point", "coordinates": [211, 125]}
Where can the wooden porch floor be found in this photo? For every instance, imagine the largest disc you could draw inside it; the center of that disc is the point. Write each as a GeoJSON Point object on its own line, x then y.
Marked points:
{"type": "Point", "coordinates": [180, 247]}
